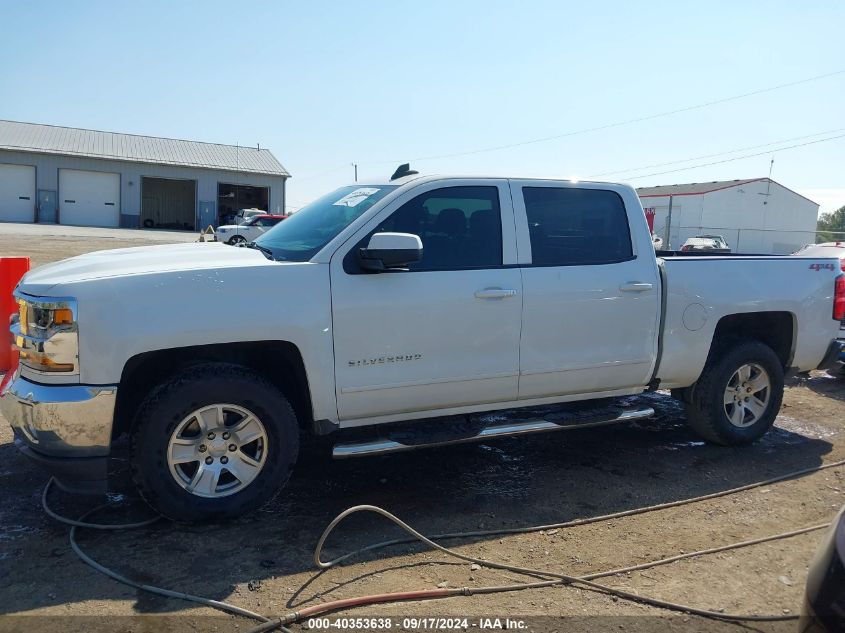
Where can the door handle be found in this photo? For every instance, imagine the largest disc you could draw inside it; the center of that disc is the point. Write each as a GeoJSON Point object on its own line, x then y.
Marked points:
{"type": "Point", "coordinates": [495, 293]}
{"type": "Point", "coordinates": [635, 286]}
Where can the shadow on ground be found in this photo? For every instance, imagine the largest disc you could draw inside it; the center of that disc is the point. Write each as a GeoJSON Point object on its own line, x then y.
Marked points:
{"type": "Point", "coordinates": [830, 383]}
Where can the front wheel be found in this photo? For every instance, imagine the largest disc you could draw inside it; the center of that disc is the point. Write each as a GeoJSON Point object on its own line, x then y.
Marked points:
{"type": "Point", "coordinates": [738, 395]}
{"type": "Point", "coordinates": [215, 441]}
{"type": "Point", "coordinates": [236, 240]}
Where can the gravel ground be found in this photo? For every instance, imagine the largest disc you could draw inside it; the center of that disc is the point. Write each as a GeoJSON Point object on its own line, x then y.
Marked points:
{"type": "Point", "coordinates": [264, 562]}
{"type": "Point", "coordinates": [44, 243]}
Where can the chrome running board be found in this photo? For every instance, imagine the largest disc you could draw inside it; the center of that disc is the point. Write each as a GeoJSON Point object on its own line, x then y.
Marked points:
{"type": "Point", "coordinates": [383, 446]}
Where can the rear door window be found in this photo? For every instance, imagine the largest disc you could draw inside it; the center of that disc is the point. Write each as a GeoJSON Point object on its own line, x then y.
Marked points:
{"type": "Point", "coordinates": [575, 227]}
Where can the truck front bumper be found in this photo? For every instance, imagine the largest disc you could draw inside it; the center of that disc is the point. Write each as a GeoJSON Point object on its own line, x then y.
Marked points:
{"type": "Point", "coordinates": [65, 429]}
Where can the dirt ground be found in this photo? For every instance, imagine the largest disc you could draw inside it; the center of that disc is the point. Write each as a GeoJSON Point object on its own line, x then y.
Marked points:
{"type": "Point", "coordinates": [264, 562]}
{"type": "Point", "coordinates": [60, 242]}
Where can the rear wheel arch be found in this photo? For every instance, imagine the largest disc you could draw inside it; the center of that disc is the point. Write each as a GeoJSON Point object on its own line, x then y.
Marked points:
{"type": "Point", "coordinates": [774, 329]}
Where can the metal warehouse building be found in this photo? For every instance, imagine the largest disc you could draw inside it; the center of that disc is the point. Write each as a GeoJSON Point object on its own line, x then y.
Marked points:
{"type": "Point", "coordinates": [757, 215]}
{"type": "Point", "coordinates": [63, 175]}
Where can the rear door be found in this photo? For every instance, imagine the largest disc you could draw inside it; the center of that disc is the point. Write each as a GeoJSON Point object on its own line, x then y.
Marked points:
{"type": "Point", "coordinates": [445, 332]}
{"type": "Point", "coordinates": [591, 293]}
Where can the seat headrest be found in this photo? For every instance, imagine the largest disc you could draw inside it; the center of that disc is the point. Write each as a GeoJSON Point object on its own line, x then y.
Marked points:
{"type": "Point", "coordinates": [482, 221]}
{"type": "Point", "coordinates": [452, 222]}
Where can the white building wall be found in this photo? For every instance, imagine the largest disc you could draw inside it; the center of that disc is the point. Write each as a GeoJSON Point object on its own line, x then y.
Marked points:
{"type": "Point", "coordinates": [751, 221]}
{"type": "Point", "coordinates": [762, 217]}
{"type": "Point", "coordinates": [47, 177]}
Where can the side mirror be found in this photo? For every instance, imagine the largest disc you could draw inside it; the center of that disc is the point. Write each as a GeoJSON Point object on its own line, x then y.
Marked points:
{"type": "Point", "coordinates": [390, 250]}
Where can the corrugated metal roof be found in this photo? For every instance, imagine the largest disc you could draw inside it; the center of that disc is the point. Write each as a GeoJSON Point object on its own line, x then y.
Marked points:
{"type": "Point", "coordinates": [52, 139]}
{"type": "Point", "coordinates": [693, 188]}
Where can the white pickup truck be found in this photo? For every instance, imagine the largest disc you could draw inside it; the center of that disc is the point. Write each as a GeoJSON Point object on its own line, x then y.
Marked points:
{"type": "Point", "coordinates": [427, 299]}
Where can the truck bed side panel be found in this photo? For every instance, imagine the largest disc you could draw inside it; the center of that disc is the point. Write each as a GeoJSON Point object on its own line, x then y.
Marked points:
{"type": "Point", "coordinates": [703, 290]}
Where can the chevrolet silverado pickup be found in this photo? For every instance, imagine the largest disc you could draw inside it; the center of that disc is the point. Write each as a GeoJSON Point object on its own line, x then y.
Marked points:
{"type": "Point", "coordinates": [414, 312]}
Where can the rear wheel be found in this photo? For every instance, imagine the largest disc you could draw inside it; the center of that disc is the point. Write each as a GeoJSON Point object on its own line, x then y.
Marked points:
{"type": "Point", "coordinates": [236, 240]}
{"type": "Point", "coordinates": [215, 441]}
{"type": "Point", "coordinates": [738, 395]}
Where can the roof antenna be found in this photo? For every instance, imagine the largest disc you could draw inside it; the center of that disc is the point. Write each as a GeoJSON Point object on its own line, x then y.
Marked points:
{"type": "Point", "coordinates": [402, 171]}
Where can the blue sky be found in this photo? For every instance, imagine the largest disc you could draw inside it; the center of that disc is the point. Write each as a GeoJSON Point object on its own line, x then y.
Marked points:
{"type": "Point", "coordinates": [378, 83]}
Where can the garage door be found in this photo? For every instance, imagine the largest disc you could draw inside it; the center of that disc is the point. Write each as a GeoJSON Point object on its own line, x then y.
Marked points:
{"type": "Point", "coordinates": [17, 193]}
{"type": "Point", "coordinates": [89, 198]}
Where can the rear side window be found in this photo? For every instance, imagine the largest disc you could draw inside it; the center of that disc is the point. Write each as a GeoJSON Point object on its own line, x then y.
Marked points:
{"type": "Point", "coordinates": [571, 227]}
{"type": "Point", "coordinates": [460, 227]}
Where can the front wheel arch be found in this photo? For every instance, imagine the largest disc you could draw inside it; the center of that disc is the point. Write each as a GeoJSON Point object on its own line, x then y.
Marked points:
{"type": "Point", "coordinates": [280, 362]}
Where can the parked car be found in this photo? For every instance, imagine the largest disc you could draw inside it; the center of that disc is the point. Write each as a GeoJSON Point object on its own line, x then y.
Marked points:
{"type": "Point", "coordinates": [824, 597]}
{"type": "Point", "coordinates": [245, 214]}
{"type": "Point", "coordinates": [828, 249]}
{"type": "Point", "coordinates": [712, 243]}
{"type": "Point", "coordinates": [242, 215]}
{"type": "Point", "coordinates": [426, 301]}
{"type": "Point", "coordinates": [248, 230]}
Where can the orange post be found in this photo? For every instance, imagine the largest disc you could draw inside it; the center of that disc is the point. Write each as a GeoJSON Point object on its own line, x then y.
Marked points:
{"type": "Point", "coordinates": [11, 271]}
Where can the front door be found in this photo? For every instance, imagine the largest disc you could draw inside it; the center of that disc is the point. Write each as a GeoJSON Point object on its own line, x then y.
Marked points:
{"type": "Point", "coordinates": [47, 206]}
{"type": "Point", "coordinates": [443, 333]}
{"type": "Point", "coordinates": [591, 292]}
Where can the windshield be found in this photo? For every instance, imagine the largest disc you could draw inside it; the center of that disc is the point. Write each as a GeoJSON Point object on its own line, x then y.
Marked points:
{"type": "Point", "coordinates": [304, 233]}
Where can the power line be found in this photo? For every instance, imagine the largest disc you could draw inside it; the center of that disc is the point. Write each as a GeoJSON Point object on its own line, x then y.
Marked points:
{"type": "Point", "coordinates": [703, 156]}
{"type": "Point", "coordinates": [728, 160]}
{"type": "Point", "coordinates": [619, 123]}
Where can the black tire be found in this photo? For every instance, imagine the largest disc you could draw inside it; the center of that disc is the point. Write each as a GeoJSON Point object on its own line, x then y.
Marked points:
{"type": "Point", "coordinates": [706, 409]}
{"type": "Point", "coordinates": [236, 239]}
{"type": "Point", "coordinates": [172, 401]}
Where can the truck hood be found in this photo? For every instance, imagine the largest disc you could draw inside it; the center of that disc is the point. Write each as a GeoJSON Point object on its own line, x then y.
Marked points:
{"type": "Point", "coordinates": [143, 260]}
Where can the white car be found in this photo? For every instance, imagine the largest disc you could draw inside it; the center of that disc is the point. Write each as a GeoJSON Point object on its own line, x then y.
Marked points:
{"type": "Point", "coordinates": [709, 243]}
{"type": "Point", "coordinates": [423, 300]}
{"type": "Point", "coordinates": [827, 249]}
{"type": "Point", "coordinates": [248, 230]}
{"type": "Point", "coordinates": [246, 214]}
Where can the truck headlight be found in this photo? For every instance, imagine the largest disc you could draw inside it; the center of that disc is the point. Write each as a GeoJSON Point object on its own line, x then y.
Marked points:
{"type": "Point", "coordinates": [45, 332]}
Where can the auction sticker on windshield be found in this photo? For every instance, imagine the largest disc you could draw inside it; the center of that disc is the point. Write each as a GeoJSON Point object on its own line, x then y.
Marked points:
{"type": "Point", "coordinates": [356, 197]}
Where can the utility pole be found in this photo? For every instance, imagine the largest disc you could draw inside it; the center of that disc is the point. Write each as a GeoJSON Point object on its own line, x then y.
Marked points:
{"type": "Point", "coordinates": [668, 245]}
{"type": "Point", "coordinates": [355, 165]}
